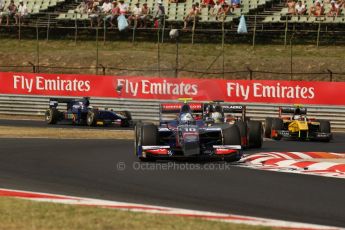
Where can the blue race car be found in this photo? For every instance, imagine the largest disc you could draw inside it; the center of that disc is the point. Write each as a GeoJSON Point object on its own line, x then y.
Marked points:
{"type": "Point", "coordinates": [186, 136]}
{"type": "Point", "coordinates": [80, 112]}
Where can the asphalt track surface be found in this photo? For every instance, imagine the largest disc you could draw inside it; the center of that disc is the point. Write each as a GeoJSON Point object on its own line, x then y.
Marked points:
{"type": "Point", "coordinates": [88, 168]}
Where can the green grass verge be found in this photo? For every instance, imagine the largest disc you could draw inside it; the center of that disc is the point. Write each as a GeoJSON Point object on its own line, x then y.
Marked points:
{"type": "Point", "coordinates": [197, 57]}
{"type": "Point", "coordinates": [22, 214]}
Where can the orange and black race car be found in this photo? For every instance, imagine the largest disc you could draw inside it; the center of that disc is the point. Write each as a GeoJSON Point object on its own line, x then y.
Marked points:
{"type": "Point", "coordinates": [293, 123]}
{"type": "Point", "coordinates": [251, 131]}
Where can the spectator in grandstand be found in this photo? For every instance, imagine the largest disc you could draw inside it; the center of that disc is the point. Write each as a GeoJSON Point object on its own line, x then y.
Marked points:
{"type": "Point", "coordinates": [12, 10]}
{"type": "Point", "coordinates": [192, 16]}
{"type": "Point", "coordinates": [82, 7]}
{"type": "Point", "coordinates": [234, 3]}
{"type": "Point", "coordinates": [224, 11]}
{"type": "Point", "coordinates": [2, 12]}
{"type": "Point", "coordinates": [159, 14]}
{"type": "Point", "coordinates": [95, 3]}
{"type": "Point", "coordinates": [216, 9]}
{"type": "Point", "coordinates": [135, 16]}
{"type": "Point", "coordinates": [300, 8]}
{"type": "Point", "coordinates": [22, 13]}
{"type": "Point", "coordinates": [291, 4]}
{"type": "Point", "coordinates": [115, 12]}
{"type": "Point", "coordinates": [89, 6]}
{"type": "Point", "coordinates": [334, 10]}
{"type": "Point", "coordinates": [106, 10]}
{"type": "Point", "coordinates": [123, 7]}
{"type": "Point", "coordinates": [94, 15]}
{"type": "Point", "coordinates": [317, 10]}
{"type": "Point", "coordinates": [208, 3]}
{"type": "Point", "coordinates": [145, 15]}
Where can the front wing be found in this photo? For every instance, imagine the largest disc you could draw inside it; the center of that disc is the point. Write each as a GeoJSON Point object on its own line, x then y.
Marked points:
{"type": "Point", "coordinates": [165, 151]}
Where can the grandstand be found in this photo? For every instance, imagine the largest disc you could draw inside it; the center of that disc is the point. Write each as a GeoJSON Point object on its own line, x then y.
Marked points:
{"type": "Point", "coordinates": [266, 20]}
{"type": "Point", "coordinates": [64, 11]}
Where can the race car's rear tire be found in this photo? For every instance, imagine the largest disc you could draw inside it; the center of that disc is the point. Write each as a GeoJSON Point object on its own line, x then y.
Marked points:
{"type": "Point", "coordinates": [277, 124]}
{"type": "Point", "coordinates": [325, 127]}
{"type": "Point", "coordinates": [126, 122]}
{"type": "Point", "coordinates": [268, 126]}
{"type": "Point", "coordinates": [148, 135]}
{"type": "Point", "coordinates": [137, 128]}
{"type": "Point", "coordinates": [52, 116]}
{"type": "Point", "coordinates": [231, 136]}
{"type": "Point", "coordinates": [255, 134]}
{"type": "Point", "coordinates": [242, 127]}
{"type": "Point", "coordinates": [91, 118]}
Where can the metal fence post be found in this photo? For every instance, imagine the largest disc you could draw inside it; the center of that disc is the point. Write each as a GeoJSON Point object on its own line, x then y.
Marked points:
{"type": "Point", "coordinates": [250, 73]}
{"type": "Point", "coordinates": [330, 74]}
{"type": "Point", "coordinates": [158, 54]}
{"type": "Point", "coordinates": [318, 35]}
{"type": "Point", "coordinates": [254, 31]}
{"type": "Point", "coordinates": [177, 64]}
{"type": "Point", "coordinates": [223, 41]}
{"type": "Point", "coordinates": [103, 68]}
{"type": "Point", "coordinates": [37, 69]}
{"type": "Point", "coordinates": [286, 30]}
{"type": "Point", "coordinates": [163, 29]}
{"type": "Point", "coordinates": [104, 31]}
{"type": "Point", "coordinates": [19, 29]}
{"type": "Point", "coordinates": [48, 25]}
{"type": "Point", "coordinates": [33, 67]}
{"type": "Point", "coordinates": [134, 28]}
{"type": "Point", "coordinates": [97, 51]}
{"type": "Point", "coordinates": [193, 29]}
{"type": "Point", "coordinates": [293, 34]}
{"type": "Point", "coordinates": [75, 30]}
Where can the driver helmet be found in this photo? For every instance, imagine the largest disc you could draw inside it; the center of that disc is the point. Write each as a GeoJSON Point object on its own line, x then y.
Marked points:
{"type": "Point", "coordinates": [186, 117]}
{"type": "Point", "coordinates": [217, 117]}
{"type": "Point", "coordinates": [297, 117]}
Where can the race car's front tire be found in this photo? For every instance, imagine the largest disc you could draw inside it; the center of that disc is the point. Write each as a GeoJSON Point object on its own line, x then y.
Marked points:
{"type": "Point", "coordinates": [255, 134]}
{"type": "Point", "coordinates": [52, 116]}
{"type": "Point", "coordinates": [268, 127]}
{"type": "Point", "coordinates": [231, 136]}
{"type": "Point", "coordinates": [91, 118]}
{"type": "Point", "coordinates": [242, 127]}
{"type": "Point", "coordinates": [277, 124]}
{"type": "Point", "coordinates": [148, 135]}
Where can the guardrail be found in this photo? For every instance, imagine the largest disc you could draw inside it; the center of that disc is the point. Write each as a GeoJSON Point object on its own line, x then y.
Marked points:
{"type": "Point", "coordinates": [148, 110]}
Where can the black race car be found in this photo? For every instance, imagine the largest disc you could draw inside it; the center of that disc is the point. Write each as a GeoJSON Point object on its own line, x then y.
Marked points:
{"type": "Point", "coordinates": [79, 112]}
{"type": "Point", "coordinates": [186, 135]}
{"type": "Point", "coordinates": [251, 132]}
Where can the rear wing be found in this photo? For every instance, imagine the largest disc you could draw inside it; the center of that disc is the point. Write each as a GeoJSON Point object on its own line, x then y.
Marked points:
{"type": "Point", "coordinates": [176, 107]}
{"type": "Point", "coordinates": [292, 110]}
{"type": "Point", "coordinates": [234, 108]}
{"type": "Point", "coordinates": [54, 102]}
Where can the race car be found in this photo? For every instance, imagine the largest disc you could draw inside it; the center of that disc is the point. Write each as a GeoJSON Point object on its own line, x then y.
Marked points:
{"type": "Point", "coordinates": [251, 131]}
{"type": "Point", "coordinates": [296, 125]}
{"type": "Point", "coordinates": [79, 112]}
{"type": "Point", "coordinates": [186, 136]}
